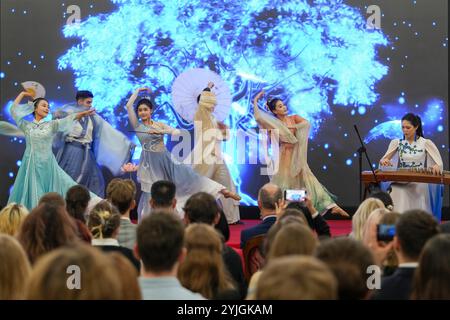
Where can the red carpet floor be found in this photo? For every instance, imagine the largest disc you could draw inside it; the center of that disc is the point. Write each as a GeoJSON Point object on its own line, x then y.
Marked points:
{"type": "Point", "coordinates": [338, 228]}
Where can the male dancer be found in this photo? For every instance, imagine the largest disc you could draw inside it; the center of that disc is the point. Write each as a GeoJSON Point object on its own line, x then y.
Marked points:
{"type": "Point", "coordinates": [91, 143]}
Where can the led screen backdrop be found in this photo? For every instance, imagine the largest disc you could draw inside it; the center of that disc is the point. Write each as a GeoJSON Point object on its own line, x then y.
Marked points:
{"type": "Point", "coordinates": [322, 57]}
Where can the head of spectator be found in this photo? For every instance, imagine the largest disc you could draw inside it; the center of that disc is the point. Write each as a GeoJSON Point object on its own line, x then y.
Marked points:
{"type": "Point", "coordinates": [362, 213]}
{"type": "Point", "coordinates": [292, 239]}
{"type": "Point", "coordinates": [77, 200]}
{"type": "Point", "coordinates": [384, 197]}
{"type": "Point", "coordinates": [292, 211]}
{"type": "Point", "coordinates": [14, 269]}
{"type": "Point", "coordinates": [46, 228]}
{"type": "Point", "coordinates": [11, 218]}
{"type": "Point", "coordinates": [201, 208]}
{"type": "Point", "coordinates": [300, 206]}
{"type": "Point", "coordinates": [163, 195]}
{"type": "Point", "coordinates": [52, 198]}
{"type": "Point", "coordinates": [348, 259]}
{"type": "Point", "coordinates": [296, 278]}
{"type": "Point", "coordinates": [160, 244]}
{"type": "Point", "coordinates": [284, 220]}
{"type": "Point", "coordinates": [203, 270]}
{"type": "Point", "coordinates": [121, 193]}
{"type": "Point", "coordinates": [104, 221]}
{"type": "Point", "coordinates": [269, 197]}
{"type": "Point", "coordinates": [127, 275]}
{"type": "Point", "coordinates": [92, 276]}
{"type": "Point", "coordinates": [413, 229]}
{"type": "Point", "coordinates": [432, 276]}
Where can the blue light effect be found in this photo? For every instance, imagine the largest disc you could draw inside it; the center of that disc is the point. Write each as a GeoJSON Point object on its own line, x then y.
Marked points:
{"type": "Point", "coordinates": [19, 163]}
{"type": "Point", "coordinates": [326, 146]}
{"type": "Point", "coordinates": [431, 119]}
{"type": "Point", "coordinates": [440, 128]}
{"type": "Point", "coordinates": [401, 100]}
{"type": "Point", "coordinates": [2, 75]}
{"type": "Point", "coordinates": [362, 110]}
{"type": "Point", "coordinates": [11, 175]}
{"type": "Point", "coordinates": [348, 162]}
{"type": "Point", "coordinates": [293, 49]}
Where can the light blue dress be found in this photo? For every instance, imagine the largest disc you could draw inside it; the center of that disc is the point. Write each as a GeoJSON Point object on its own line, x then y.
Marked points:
{"type": "Point", "coordinates": [157, 164]}
{"type": "Point", "coordinates": [39, 172]}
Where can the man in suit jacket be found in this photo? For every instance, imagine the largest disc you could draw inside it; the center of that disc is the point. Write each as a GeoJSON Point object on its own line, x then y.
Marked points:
{"type": "Point", "coordinates": [268, 197]}
{"type": "Point", "coordinates": [413, 229]}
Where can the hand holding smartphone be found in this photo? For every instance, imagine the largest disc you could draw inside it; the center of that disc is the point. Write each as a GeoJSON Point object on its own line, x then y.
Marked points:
{"type": "Point", "coordinates": [385, 232]}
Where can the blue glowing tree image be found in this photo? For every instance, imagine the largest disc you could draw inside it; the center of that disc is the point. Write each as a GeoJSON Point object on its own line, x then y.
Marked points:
{"type": "Point", "coordinates": [315, 54]}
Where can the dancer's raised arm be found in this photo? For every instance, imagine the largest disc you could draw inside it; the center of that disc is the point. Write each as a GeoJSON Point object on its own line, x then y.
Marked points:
{"type": "Point", "coordinates": [132, 117]}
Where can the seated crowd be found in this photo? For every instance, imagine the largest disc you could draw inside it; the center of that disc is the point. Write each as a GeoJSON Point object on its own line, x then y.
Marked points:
{"type": "Point", "coordinates": [69, 243]}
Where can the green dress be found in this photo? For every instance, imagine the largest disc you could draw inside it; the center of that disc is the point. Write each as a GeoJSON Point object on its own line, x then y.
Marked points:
{"type": "Point", "coordinates": [39, 172]}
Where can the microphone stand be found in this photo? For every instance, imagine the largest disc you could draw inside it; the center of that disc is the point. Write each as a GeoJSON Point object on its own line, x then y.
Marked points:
{"type": "Point", "coordinates": [360, 151]}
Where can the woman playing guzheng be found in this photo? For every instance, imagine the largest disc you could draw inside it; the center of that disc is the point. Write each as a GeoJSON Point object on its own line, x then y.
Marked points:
{"type": "Point", "coordinates": [413, 151]}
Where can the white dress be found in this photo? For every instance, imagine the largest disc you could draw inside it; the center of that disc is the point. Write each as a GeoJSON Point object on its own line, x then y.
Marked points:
{"type": "Point", "coordinates": [422, 153]}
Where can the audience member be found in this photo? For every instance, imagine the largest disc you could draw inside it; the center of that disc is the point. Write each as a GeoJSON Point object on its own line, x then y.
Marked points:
{"type": "Point", "coordinates": [121, 194]}
{"type": "Point", "coordinates": [160, 246]}
{"type": "Point", "coordinates": [11, 218]}
{"type": "Point", "coordinates": [14, 269]}
{"type": "Point", "coordinates": [104, 224]}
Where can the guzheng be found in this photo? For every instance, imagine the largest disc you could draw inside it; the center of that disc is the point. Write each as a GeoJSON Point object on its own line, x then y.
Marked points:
{"type": "Point", "coordinates": [409, 175]}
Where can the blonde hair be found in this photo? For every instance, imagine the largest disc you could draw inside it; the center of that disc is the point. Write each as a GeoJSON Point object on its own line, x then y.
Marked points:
{"type": "Point", "coordinates": [203, 270]}
{"type": "Point", "coordinates": [11, 218]}
{"type": "Point", "coordinates": [360, 217]}
{"type": "Point", "coordinates": [296, 278]}
{"type": "Point", "coordinates": [98, 276]}
{"type": "Point", "coordinates": [14, 269]}
{"type": "Point", "coordinates": [103, 220]}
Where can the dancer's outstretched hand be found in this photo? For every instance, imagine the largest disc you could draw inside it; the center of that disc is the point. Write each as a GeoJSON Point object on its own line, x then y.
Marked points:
{"type": "Point", "coordinates": [210, 85]}
{"type": "Point", "coordinates": [129, 167]}
{"type": "Point", "coordinates": [84, 113]}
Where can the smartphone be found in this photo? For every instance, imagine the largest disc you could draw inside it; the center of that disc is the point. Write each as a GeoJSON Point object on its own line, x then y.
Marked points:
{"type": "Point", "coordinates": [385, 232]}
{"type": "Point", "coordinates": [295, 195]}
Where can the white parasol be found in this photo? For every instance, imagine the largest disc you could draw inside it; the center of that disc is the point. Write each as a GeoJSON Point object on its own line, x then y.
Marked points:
{"type": "Point", "coordinates": [190, 84]}
{"type": "Point", "coordinates": [35, 88]}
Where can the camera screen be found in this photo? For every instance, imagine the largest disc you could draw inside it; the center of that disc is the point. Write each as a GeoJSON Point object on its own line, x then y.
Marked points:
{"type": "Point", "coordinates": [385, 232]}
{"type": "Point", "coordinates": [295, 195]}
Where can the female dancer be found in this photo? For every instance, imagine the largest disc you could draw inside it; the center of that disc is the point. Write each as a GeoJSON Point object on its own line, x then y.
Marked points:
{"type": "Point", "coordinates": [39, 172]}
{"type": "Point", "coordinates": [212, 164]}
{"type": "Point", "coordinates": [414, 151]}
{"type": "Point", "coordinates": [156, 162]}
{"type": "Point", "coordinates": [294, 172]}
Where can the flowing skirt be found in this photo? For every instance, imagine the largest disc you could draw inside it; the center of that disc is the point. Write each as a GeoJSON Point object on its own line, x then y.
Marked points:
{"type": "Point", "coordinates": [156, 166]}
{"type": "Point", "coordinates": [36, 177]}
{"type": "Point", "coordinates": [320, 196]}
{"type": "Point", "coordinates": [79, 163]}
{"type": "Point", "coordinates": [413, 195]}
